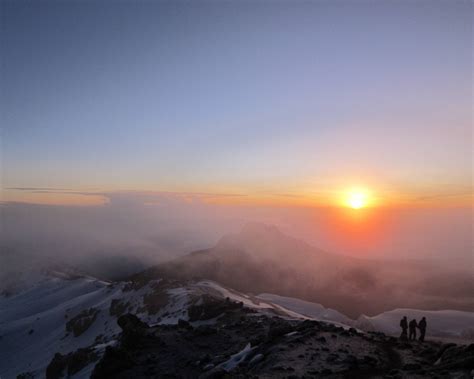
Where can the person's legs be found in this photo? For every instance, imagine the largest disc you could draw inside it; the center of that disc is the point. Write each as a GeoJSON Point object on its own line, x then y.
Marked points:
{"type": "Point", "coordinates": [404, 335]}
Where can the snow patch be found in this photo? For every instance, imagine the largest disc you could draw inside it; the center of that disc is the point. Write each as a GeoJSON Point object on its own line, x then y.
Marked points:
{"type": "Point", "coordinates": [305, 308]}
{"type": "Point", "coordinates": [237, 358]}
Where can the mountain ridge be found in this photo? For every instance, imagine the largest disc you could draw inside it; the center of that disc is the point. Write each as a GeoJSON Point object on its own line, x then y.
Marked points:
{"type": "Point", "coordinates": [263, 259]}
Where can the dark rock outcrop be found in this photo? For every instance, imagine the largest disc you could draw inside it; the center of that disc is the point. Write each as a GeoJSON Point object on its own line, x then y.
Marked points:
{"type": "Point", "coordinates": [461, 357]}
{"type": "Point", "coordinates": [209, 307]}
{"type": "Point", "coordinates": [133, 330]}
{"type": "Point", "coordinates": [118, 307]}
{"type": "Point", "coordinates": [80, 323]}
{"type": "Point", "coordinates": [70, 364]}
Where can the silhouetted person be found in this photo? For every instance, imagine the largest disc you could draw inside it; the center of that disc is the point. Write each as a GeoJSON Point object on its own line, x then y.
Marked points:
{"type": "Point", "coordinates": [412, 326]}
{"type": "Point", "coordinates": [422, 327]}
{"type": "Point", "coordinates": [404, 326]}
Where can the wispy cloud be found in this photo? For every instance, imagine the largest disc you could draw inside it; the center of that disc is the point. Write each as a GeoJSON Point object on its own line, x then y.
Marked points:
{"type": "Point", "coordinates": [123, 197]}
{"type": "Point", "coordinates": [35, 189]}
{"type": "Point", "coordinates": [436, 196]}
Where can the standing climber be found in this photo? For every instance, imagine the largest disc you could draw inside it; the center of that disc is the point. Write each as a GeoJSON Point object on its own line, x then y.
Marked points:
{"type": "Point", "coordinates": [422, 327]}
{"type": "Point", "coordinates": [412, 327]}
{"type": "Point", "coordinates": [404, 326]}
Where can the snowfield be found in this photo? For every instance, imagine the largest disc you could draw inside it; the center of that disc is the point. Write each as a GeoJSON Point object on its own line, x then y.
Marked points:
{"type": "Point", "coordinates": [32, 323]}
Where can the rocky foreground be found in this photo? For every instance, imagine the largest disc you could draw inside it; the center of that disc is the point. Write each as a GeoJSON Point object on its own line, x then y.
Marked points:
{"type": "Point", "coordinates": [224, 339]}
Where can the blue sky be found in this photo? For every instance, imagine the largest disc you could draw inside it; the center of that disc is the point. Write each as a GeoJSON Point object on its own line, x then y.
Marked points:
{"type": "Point", "coordinates": [251, 97]}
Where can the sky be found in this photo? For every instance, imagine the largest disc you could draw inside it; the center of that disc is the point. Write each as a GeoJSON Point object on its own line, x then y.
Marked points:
{"type": "Point", "coordinates": [280, 102]}
{"type": "Point", "coordinates": [159, 126]}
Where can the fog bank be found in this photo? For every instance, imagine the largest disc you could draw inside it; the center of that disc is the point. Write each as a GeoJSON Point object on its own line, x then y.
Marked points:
{"type": "Point", "coordinates": [152, 227]}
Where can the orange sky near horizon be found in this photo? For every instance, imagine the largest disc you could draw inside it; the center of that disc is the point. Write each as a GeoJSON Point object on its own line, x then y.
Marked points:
{"type": "Point", "coordinates": [337, 198]}
{"type": "Point", "coordinates": [404, 229]}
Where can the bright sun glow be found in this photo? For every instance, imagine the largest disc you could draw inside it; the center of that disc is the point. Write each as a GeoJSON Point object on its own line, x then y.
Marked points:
{"type": "Point", "coordinates": [357, 199]}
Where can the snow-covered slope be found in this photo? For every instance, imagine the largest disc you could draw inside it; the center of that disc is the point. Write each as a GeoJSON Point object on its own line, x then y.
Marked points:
{"type": "Point", "coordinates": [33, 322]}
{"type": "Point", "coordinates": [312, 310]}
{"type": "Point", "coordinates": [257, 303]}
{"type": "Point", "coordinates": [446, 323]}
{"type": "Point", "coordinates": [45, 319]}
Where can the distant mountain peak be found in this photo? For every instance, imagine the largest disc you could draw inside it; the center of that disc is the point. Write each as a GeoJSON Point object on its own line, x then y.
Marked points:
{"type": "Point", "coordinates": [253, 232]}
{"type": "Point", "coordinates": [253, 228]}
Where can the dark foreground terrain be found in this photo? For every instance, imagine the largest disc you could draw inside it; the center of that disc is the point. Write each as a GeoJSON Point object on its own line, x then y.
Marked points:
{"type": "Point", "coordinates": [223, 339]}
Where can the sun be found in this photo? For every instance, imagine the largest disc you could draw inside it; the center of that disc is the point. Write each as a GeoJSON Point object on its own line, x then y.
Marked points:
{"type": "Point", "coordinates": [357, 199]}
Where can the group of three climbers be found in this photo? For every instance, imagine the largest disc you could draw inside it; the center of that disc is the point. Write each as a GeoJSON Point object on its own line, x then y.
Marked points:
{"type": "Point", "coordinates": [412, 328]}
